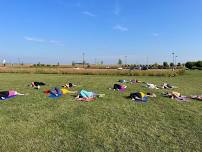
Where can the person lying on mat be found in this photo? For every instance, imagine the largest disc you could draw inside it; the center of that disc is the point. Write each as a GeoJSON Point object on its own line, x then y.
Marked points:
{"type": "Point", "coordinates": [140, 96]}
{"type": "Point", "coordinates": [151, 86]}
{"type": "Point", "coordinates": [119, 87]}
{"type": "Point", "coordinates": [197, 97]}
{"type": "Point", "coordinates": [8, 94]}
{"type": "Point", "coordinates": [84, 95]}
{"type": "Point", "coordinates": [175, 95]}
{"type": "Point", "coordinates": [69, 85]}
{"type": "Point", "coordinates": [37, 85]}
{"type": "Point", "coordinates": [167, 86]}
{"type": "Point", "coordinates": [135, 81]}
{"type": "Point", "coordinates": [58, 92]}
{"type": "Point", "coordinates": [123, 81]}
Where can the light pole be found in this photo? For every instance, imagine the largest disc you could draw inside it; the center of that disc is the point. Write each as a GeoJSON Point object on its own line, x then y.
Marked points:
{"type": "Point", "coordinates": [176, 60]}
{"type": "Point", "coordinates": [173, 59]}
{"type": "Point", "coordinates": [83, 59]}
{"type": "Point", "coordinates": [125, 60]}
{"type": "Point", "coordinates": [147, 60]}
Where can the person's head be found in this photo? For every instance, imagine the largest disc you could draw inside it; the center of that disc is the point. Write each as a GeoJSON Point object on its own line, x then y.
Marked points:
{"type": "Point", "coordinates": [70, 85]}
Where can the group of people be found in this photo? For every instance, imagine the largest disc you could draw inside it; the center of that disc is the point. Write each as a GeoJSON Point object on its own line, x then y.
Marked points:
{"type": "Point", "coordinates": [85, 95]}
{"type": "Point", "coordinates": [141, 96]}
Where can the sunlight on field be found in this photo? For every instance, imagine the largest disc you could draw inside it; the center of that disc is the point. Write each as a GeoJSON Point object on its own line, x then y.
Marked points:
{"type": "Point", "coordinates": [112, 123]}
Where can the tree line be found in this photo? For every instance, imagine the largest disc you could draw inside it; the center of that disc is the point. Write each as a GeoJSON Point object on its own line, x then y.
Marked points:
{"type": "Point", "coordinates": [194, 65]}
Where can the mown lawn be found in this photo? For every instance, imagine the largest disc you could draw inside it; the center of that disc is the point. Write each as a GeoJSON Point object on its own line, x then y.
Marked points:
{"type": "Point", "coordinates": [112, 123]}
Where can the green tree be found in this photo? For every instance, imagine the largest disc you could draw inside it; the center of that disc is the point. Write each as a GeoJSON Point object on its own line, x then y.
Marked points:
{"type": "Point", "coordinates": [179, 64]}
{"type": "Point", "coordinates": [189, 65]}
{"type": "Point", "coordinates": [165, 64]}
{"type": "Point", "coordinates": [199, 64]}
{"type": "Point", "coordinates": [171, 64]}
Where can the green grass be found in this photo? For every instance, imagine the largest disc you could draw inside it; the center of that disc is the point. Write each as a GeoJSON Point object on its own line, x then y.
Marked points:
{"type": "Point", "coordinates": [112, 123]}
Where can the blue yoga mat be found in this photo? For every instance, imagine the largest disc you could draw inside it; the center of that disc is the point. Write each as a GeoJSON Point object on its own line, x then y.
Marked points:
{"type": "Point", "coordinates": [8, 98]}
{"type": "Point", "coordinates": [145, 98]}
{"type": "Point", "coordinates": [54, 96]}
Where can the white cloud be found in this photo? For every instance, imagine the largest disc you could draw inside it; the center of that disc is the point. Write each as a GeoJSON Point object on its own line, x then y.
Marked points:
{"type": "Point", "coordinates": [88, 13]}
{"type": "Point", "coordinates": [120, 28]}
{"type": "Point", "coordinates": [155, 34]}
{"type": "Point", "coordinates": [41, 40]}
{"type": "Point", "coordinates": [55, 42]}
{"type": "Point", "coordinates": [28, 38]}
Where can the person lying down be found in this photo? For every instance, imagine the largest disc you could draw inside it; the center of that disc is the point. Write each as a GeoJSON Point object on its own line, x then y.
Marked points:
{"type": "Point", "coordinates": [9, 94]}
{"type": "Point", "coordinates": [69, 85]}
{"type": "Point", "coordinates": [179, 97]}
{"type": "Point", "coordinates": [119, 87]}
{"type": "Point", "coordinates": [175, 95]}
{"type": "Point", "coordinates": [197, 97]}
{"type": "Point", "coordinates": [57, 92]}
{"type": "Point", "coordinates": [167, 86]}
{"type": "Point", "coordinates": [151, 86]}
{"type": "Point", "coordinates": [84, 95]}
{"type": "Point", "coordinates": [140, 96]}
{"type": "Point", "coordinates": [37, 85]}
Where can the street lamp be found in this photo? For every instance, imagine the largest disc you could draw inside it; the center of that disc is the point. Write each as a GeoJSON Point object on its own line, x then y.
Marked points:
{"type": "Point", "coordinates": [173, 60]}
{"type": "Point", "coordinates": [176, 60]}
{"type": "Point", "coordinates": [125, 60]}
{"type": "Point", "coordinates": [83, 59]}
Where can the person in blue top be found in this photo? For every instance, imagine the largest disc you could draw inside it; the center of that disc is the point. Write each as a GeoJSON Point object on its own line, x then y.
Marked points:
{"type": "Point", "coordinates": [84, 95]}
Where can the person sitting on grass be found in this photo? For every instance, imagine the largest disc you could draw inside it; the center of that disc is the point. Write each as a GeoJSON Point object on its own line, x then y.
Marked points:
{"type": "Point", "coordinates": [9, 94]}
{"type": "Point", "coordinates": [37, 85]}
{"type": "Point", "coordinates": [119, 87]}
{"type": "Point", "coordinates": [84, 95]}
{"type": "Point", "coordinates": [140, 96]}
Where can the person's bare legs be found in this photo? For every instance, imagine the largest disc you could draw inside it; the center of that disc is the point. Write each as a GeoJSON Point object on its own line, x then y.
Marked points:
{"type": "Point", "coordinates": [19, 94]}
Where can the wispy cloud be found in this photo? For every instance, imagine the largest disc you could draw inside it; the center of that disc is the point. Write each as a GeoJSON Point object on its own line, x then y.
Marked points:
{"type": "Point", "coordinates": [88, 13]}
{"type": "Point", "coordinates": [41, 40]}
{"type": "Point", "coordinates": [117, 8]}
{"type": "Point", "coordinates": [56, 42]}
{"type": "Point", "coordinates": [120, 28]}
{"type": "Point", "coordinates": [155, 34]}
{"type": "Point", "coordinates": [34, 39]}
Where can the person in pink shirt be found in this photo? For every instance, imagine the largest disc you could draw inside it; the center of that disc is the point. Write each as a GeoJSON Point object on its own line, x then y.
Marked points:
{"type": "Point", "coordinates": [8, 94]}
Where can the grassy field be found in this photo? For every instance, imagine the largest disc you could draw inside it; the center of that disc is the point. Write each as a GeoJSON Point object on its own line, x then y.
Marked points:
{"type": "Point", "coordinates": [87, 71]}
{"type": "Point", "coordinates": [112, 123]}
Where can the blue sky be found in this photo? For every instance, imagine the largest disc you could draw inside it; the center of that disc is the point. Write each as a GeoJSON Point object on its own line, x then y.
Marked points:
{"type": "Point", "coordinates": [49, 31]}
